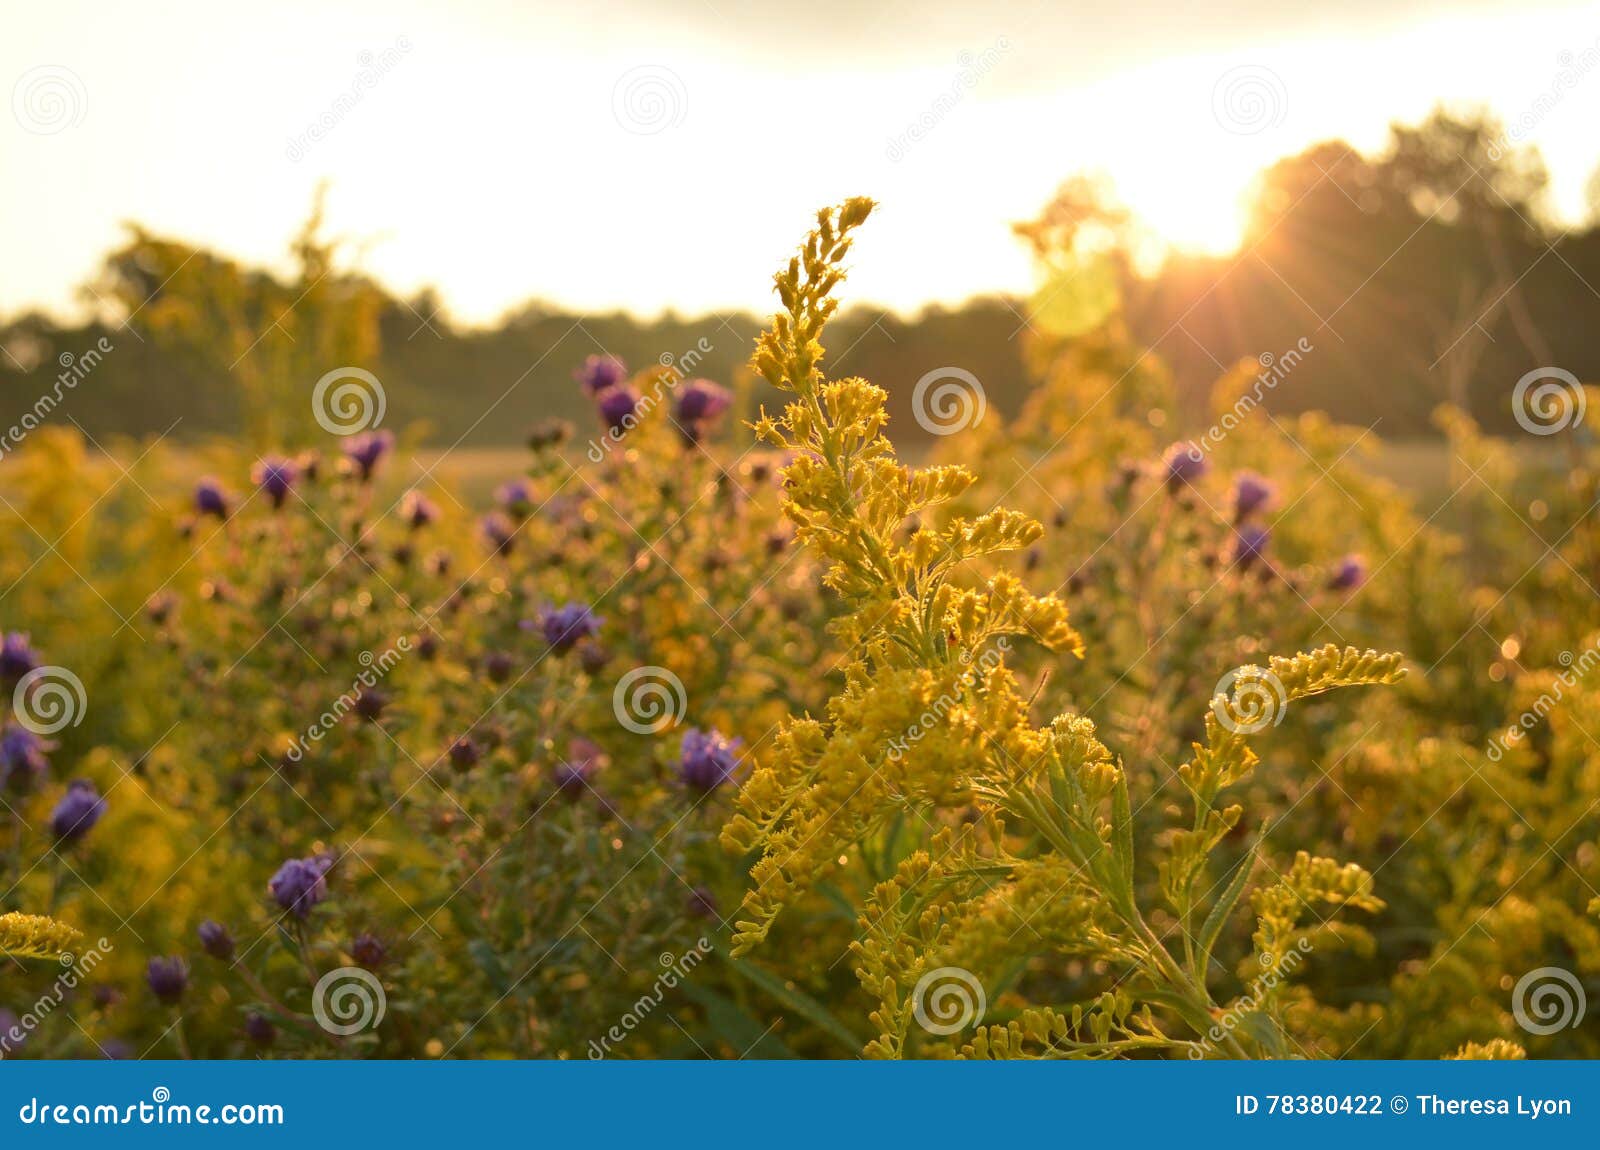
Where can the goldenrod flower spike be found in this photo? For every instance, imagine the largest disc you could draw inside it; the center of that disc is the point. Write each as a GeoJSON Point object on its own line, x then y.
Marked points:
{"type": "Point", "coordinates": [35, 936]}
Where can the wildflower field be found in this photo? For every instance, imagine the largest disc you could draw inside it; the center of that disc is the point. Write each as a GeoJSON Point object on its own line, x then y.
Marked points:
{"type": "Point", "coordinates": [722, 730]}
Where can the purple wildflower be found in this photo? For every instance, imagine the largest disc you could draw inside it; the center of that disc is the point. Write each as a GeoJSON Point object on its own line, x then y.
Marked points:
{"type": "Point", "coordinates": [215, 940]}
{"type": "Point", "coordinates": [299, 884]}
{"type": "Point", "coordinates": [368, 950]}
{"type": "Point", "coordinates": [702, 903]}
{"type": "Point", "coordinates": [1183, 463]}
{"type": "Point", "coordinates": [369, 703]}
{"type": "Point", "coordinates": [1349, 574]}
{"type": "Point", "coordinates": [210, 499]}
{"type": "Point", "coordinates": [564, 626]}
{"type": "Point", "coordinates": [1249, 544]}
{"type": "Point", "coordinates": [168, 978]}
{"type": "Point", "coordinates": [17, 656]}
{"type": "Point", "coordinates": [364, 449]}
{"type": "Point", "coordinates": [572, 776]}
{"type": "Point", "coordinates": [77, 812]}
{"type": "Point", "coordinates": [600, 372]}
{"type": "Point", "coordinates": [22, 755]}
{"type": "Point", "coordinates": [617, 405]}
{"type": "Point", "coordinates": [417, 509]}
{"type": "Point", "coordinates": [1250, 494]}
{"type": "Point", "coordinates": [259, 1030]}
{"type": "Point", "coordinates": [497, 529]}
{"type": "Point", "coordinates": [464, 753]}
{"type": "Point", "coordinates": [700, 402]}
{"type": "Point", "coordinates": [275, 475]}
{"type": "Point", "coordinates": [515, 497]}
{"type": "Point", "coordinates": [707, 759]}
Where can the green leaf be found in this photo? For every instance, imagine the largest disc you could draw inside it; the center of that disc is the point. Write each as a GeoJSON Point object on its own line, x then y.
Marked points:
{"type": "Point", "coordinates": [796, 1000]}
{"type": "Point", "coordinates": [1218, 918]}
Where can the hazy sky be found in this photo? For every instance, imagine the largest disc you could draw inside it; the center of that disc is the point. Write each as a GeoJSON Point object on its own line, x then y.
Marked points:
{"type": "Point", "coordinates": [639, 154]}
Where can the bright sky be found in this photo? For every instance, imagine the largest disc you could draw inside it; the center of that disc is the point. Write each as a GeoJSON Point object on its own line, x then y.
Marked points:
{"type": "Point", "coordinates": [643, 154]}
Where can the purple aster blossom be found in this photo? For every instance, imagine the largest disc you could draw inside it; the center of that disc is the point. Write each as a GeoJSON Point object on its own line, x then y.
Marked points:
{"type": "Point", "coordinates": [299, 884]}
{"type": "Point", "coordinates": [600, 372]}
{"type": "Point", "coordinates": [700, 402]}
{"type": "Point", "coordinates": [617, 405]}
{"type": "Point", "coordinates": [1350, 573]}
{"type": "Point", "coordinates": [564, 626]}
{"type": "Point", "coordinates": [17, 656]}
{"type": "Point", "coordinates": [707, 759]}
{"type": "Point", "coordinates": [1182, 464]}
{"type": "Point", "coordinates": [215, 940]}
{"type": "Point", "coordinates": [1249, 544]}
{"type": "Point", "coordinates": [1250, 494]}
{"type": "Point", "coordinates": [417, 509]}
{"type": "Point", "coordinates": [22, 755]}
{"type": "Point", "coordinates": [497, 529]}
{"type": "Point", "coordinates": [275, 475]}
{"type": "Point", "coordinates": [168, 978]}
{"type": "Point", "coordinates": [702, 903]}
{"type": "Point", "coordinates": [464, 753]}
{"type": "Point", "coordinates": [498, 666]}
{"type": "Point", "coordinates": [365, 448]}
{"type": "Point", "coordinates": [369, 703]}
{"type": "Point", "coordinates": [77, 812]}
{"type": "Point", "coordinates": [259, 1030]}
{"type": "Point", "coordinates": [516, 497]}
{"type": "Point", "coordinates": [210, 499]}
{"type": "Point", "coordinates": [574, 774]}
{"type": "Point", "coordinates": [368, 950]}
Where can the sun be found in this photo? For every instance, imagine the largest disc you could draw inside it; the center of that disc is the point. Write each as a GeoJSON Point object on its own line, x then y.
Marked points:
{"type": "Point", "coordinates": [1199, 219]}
